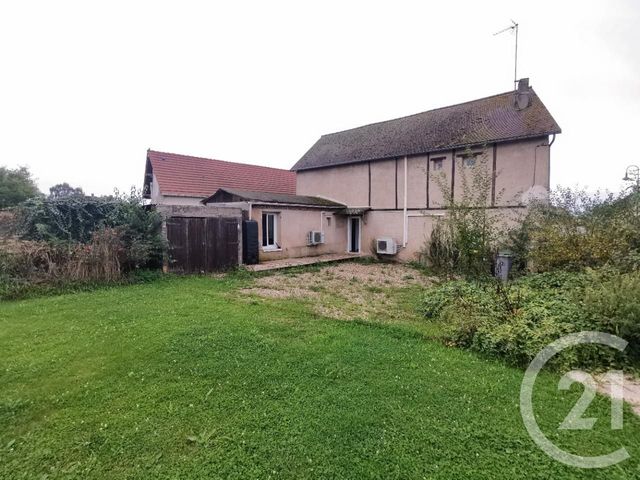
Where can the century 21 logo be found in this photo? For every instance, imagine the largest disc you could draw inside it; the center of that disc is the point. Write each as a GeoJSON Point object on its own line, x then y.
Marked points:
{"type": "Point", "coordinates": [575, 420]}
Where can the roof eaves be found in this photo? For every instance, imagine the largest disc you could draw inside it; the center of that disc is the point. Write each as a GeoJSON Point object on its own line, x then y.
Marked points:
{"type": "Point", "coordinates": [298, 205]}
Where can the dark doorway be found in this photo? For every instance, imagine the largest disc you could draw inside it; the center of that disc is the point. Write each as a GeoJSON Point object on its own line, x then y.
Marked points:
{"type": "Point", "coordinates": [354, 235]}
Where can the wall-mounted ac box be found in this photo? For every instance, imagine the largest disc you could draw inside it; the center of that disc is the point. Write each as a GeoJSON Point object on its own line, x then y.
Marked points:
{"type": "Point", "coordinates": [315, 238]}
{"type": "Point", "coordinates": [386, 246]}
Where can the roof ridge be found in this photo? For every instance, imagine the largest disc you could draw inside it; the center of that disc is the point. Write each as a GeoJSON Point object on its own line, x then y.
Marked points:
{"type": "Point", "coordinates": [423, 112]}
{"type": "Point", "coordinates": [216, 160]}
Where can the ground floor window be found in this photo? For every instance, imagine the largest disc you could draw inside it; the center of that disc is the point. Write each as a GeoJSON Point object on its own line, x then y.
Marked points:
{"type": "Point", "coordinates": [270, 230]}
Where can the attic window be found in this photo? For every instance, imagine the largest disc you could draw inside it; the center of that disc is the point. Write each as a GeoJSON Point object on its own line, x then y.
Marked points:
{"type": "Point", "coordinates": [438, 163]}
{"type": "Point", "coordinates": [469, 161]}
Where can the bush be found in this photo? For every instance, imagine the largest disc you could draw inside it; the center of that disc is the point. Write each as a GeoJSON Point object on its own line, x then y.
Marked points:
{"type": "Point", "coordinates": [35, 268]}
{"type": "Point", "coordinates": [464, 241]}
{"type": "Point", "coordinates": [516, 322]}
{"type": "Point", "coordinates": [614, 305]}
{"type": "Point", "coordinates": [73, 220]}
{"type": "Point", "coordinates": [579, 230]}
{"type": "Point", "coordinates": [77, 240]}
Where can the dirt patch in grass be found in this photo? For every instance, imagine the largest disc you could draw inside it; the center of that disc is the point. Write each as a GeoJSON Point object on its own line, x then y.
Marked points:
{"type": "Point", "coordinates": [279, 292]}
{"type": "Point", "coordinates": [345, 291]}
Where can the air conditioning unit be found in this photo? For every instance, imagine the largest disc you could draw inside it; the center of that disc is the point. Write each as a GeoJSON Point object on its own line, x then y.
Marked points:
{"type": "Point", "coordinates": [315, 238]}
{"type": "Point", "coordinates": [386, 246]}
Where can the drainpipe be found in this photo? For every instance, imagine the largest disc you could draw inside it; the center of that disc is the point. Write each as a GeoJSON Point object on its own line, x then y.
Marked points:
{"type": "Point", "coordinates": [405, 232]}
{"type": "Point", "coordinates": [249, 210]}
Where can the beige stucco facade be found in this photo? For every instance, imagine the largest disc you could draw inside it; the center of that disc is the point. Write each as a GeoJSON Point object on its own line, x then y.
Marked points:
{"type": "Point", "coordinates": [292, 226]}
{"type": "Point", "coordinates": [516, 172]}
{"type": "Point", "coordinates": [401, 198]}
{"type": "Point", "coordinates": [521, 168]}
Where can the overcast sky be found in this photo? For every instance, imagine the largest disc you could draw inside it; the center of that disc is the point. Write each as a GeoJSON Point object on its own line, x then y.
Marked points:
{"type": "Point", "coordinates": [86, 86]}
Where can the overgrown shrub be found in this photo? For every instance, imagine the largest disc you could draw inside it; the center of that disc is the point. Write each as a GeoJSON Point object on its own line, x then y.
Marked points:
{"type": "Point", "coordinates": [516, 322]}
{"type": "Point", "coordinates": [464, 241]}
{"type": "Point", "coordinates": [75, 239]}
{"type": "Point", "coordinates": [615, 305]}
{"type": "Point", "coordinates": [73, 220]}
{"type": "Point", "coordinates": [98, 259]}
{"type": "Point", "coordinates": [578, 230]}
{"type": "Point", "coordinates": [586, 248]}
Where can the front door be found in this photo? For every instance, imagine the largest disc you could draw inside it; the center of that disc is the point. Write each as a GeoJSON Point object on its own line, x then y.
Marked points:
{"type": "Point", "coordinates": [354, 235]}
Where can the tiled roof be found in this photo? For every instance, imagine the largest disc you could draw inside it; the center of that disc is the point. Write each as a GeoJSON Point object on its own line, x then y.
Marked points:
{"type": "Point", "coordinates": [184, 175]}
{"type": "Point", "coordinates": [487, 120]}
{"type": "Point", "coordinates": [235, 195]}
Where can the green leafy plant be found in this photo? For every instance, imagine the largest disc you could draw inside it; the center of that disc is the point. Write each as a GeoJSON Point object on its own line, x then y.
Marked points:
{"type": "Point", "coordinates": [515, 321]}
{"type": "Point", "coordinates": [74, 219]}
{"type": "Point", "coordinates": [76, 239]}
{"type": "Point", "coordinates": [16, 186]}
{"type": "Point", "coordinates": [577, 230]}
{"type": "Point", "coordinates": [614, 305]}
{"type": "Point", "coordinates": [464, 240]}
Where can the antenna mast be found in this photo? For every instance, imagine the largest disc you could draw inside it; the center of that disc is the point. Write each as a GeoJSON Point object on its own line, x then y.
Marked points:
{"type": "Point", "coordinates": [512, 28]}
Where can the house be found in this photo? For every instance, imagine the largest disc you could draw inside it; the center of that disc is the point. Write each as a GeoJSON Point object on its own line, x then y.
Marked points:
{"type": "Point", "coordinates": [285, 222]}
{"type": "Point", "coordinates": [171, 179]}
{"type": "Point", "coordinates": [389, 180]}
{"type": "Point", "coordinates": [204, 238]}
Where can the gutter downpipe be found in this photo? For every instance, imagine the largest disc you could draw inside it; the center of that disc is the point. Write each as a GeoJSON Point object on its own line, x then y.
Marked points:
{"type": "Point", "coordinates": [405, 232]}
{"type": "Point", "coordinates": [249, 210]}
{"type": "Point", "coordinates": [549, 169]}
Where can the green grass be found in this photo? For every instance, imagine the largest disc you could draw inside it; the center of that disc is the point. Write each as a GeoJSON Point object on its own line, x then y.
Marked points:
{"type": "Point", "coordinates": [185, 378]}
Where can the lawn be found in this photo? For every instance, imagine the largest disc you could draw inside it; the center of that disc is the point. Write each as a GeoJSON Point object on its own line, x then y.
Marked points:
{"type": "Point", "coordinates": [194, 378]}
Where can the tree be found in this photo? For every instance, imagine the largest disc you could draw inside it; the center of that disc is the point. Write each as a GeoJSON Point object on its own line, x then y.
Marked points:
{"type": "Point", "coordinates": [63, 190]}
{"type": "Point", "coordinates": [16, 186]}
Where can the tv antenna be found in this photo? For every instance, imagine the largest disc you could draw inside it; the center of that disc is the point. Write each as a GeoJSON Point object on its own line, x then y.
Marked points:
{"type": "Point", "coordinates": [514, 29]}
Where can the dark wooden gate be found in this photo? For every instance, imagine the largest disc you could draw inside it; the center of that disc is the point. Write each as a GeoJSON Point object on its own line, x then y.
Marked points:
{"type": "Point", "coordinates": [202, 244]}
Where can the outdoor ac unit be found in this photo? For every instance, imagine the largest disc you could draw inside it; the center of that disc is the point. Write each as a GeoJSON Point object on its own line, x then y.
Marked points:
{"type": "Point", "coordinates": [315, 238]}
{"type": "Point", "coordinates": [386, 246]}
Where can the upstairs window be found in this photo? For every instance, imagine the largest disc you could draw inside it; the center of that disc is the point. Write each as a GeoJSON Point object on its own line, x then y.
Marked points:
{"type": "Point", "coordinates": [469, 161]}
{"type": "Point", "coordinates": [437, 163]}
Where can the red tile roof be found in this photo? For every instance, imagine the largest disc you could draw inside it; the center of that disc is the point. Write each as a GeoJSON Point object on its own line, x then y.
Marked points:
{"type": "Point", "coordinates": [183, 175]}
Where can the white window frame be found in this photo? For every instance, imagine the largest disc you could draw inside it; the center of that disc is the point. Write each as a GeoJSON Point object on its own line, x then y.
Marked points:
{"type": "Point", "coordinates": [276, 220]}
